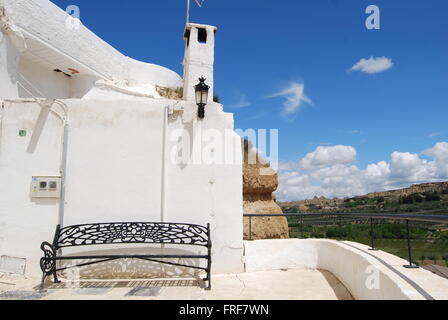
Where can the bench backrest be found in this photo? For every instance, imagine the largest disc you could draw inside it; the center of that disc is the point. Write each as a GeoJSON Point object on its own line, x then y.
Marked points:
{"type": "Point", "coordinates": [132, 232]}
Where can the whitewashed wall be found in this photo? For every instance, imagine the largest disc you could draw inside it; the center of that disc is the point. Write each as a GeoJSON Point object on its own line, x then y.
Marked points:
{"type": "Point", "coordinates": [115, 173]}
{"type": "Point", "coordinates": [26, 221]}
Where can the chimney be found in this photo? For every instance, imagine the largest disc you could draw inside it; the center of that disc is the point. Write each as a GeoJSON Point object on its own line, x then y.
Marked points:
{"type": "Point", "coordinates": [199, 58]}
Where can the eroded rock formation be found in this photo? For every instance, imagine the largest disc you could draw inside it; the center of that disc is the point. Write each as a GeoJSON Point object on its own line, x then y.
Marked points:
{"type": "Point", "coordinates": [260, 181]}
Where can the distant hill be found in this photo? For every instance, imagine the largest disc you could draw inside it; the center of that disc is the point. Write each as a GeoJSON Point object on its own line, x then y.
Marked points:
{"type": "Point", "coordinates": [430, 197]}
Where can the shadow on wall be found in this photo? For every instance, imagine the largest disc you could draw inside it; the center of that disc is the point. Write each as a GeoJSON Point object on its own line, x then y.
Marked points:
{"type": "Point", "coordinates": [12, 59]}
{"type": "Point", "coordinates": [133, 268]}
{"type": "Point", "coordinates": [184, 142]}
{"type": "Point", "coordinates": [44, 201]}
{"type": "Point", "coordinates": [338, 287]}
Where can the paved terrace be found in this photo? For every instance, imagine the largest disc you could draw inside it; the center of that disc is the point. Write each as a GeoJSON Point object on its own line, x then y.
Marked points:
{"type": "Point", "coordinates": [275, 270]}
{"type": "Point", "coordinates": [272, 285]}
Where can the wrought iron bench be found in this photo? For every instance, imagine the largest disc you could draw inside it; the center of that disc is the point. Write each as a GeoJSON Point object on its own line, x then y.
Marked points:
{"type": "Point", "coordinates": [125, 233]}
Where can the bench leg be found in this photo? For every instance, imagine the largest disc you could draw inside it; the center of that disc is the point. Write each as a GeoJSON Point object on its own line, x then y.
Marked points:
{"type": "Point", "coordinates": [208, 281]}
{"type": "Point", "coordinates": [55, 277]}
{"type": "Point", "coordinates": [44, 276]}
{"type": "Point", "coordinates": [209, 287]}
{"type": "Point", "coordinates": [209, 259]}
{"type": "Point", "coordinates": [209, 274]}
{"type": "Point", "coordinates": [48, 262]}
{"type": "Point", "coordinates": [42, 283]}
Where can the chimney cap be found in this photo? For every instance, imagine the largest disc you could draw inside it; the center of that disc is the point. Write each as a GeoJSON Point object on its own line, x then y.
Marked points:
{"type": "Point", "coordinates": [189, 26]}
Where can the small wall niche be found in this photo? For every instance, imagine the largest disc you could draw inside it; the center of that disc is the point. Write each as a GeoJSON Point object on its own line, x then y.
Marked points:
{"type": "Point", "coordinates": [202, 35]}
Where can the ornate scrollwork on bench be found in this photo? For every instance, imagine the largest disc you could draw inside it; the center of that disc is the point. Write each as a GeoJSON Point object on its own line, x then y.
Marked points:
{"type": "Point", "coordinates": [48, 262]}
{"type": "Point", "coordinates": [110, 233]}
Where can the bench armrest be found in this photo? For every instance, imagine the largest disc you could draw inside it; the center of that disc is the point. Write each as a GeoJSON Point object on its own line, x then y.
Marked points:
{"type": "Point", "coordinates": [48, 261]}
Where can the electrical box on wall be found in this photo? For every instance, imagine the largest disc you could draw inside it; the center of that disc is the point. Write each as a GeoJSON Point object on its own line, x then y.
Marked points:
{"type": "Point", "coordinates": [46, 187]}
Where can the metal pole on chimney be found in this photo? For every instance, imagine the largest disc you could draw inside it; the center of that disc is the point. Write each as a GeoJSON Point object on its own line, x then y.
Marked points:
{"type": "Point", "coordinates": [188, 11]}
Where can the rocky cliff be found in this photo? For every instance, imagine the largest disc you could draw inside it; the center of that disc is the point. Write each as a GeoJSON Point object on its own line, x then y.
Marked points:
{"type": "Point", "coordinates": [416, 188]}
{"type": "Point", "coordinates": [260, 182]}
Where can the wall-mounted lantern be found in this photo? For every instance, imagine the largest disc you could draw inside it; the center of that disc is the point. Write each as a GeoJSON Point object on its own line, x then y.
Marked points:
{"type": "Point", "coordinates": [201, 90]}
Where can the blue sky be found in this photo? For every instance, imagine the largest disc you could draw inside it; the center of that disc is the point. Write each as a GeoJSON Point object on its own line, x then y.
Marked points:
{"type": "Point", "coordinates": [264, 47]}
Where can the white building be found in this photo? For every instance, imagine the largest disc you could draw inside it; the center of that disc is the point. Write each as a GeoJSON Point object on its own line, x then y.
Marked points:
{"type": "Point", "coordinates": [76, 111]}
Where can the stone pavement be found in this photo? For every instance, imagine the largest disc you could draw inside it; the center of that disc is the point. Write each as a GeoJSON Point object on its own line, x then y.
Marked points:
{"type": "Point", "coordinates": [293, 284]}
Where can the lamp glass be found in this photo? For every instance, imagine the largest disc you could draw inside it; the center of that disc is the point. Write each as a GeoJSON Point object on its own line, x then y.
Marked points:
{"type": "Point", "coordinates": [198, 96]}
{"type": "Point", "coordinates": [201, 90]}
{"type": "Point", "coordinates": [204, 96]}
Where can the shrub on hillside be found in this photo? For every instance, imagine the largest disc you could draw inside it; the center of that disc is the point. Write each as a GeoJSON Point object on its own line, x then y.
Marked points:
{"type": "Point", "coordinates": [413, 198]}
{"type": "Point", "coordinates": [432, 196]}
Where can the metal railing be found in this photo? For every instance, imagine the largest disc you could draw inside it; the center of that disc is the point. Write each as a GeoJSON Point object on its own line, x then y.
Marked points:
{"type": "Point", "coordinates": [341, 218]}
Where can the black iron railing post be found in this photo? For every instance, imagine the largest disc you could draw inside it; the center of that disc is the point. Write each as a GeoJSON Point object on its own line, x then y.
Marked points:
{"type": "Point", "coordinates": [372, 236]}
{"type": "Point", "coordinates": [250, 228]}
{"type": "Point", "coordinates": [301, 226]}
{"type": "Point", "coordinates": [298, 227]}
{"type": "Point", "coordinates": [411, 264]}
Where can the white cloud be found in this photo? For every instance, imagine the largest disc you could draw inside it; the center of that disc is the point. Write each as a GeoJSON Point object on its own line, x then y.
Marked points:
{"type": "Point", "coordinates": [257, 116]}
{"type": "Point", "coordinates": [242, 102]}
{"type": "Point", "coordinates": [378, 173]}
{"type": "Point", "coordinates": [287, 165]}
{"type": "Point", "coordinates": [373, 65]}
{"type": "Point", "coordinates": [295, 98]}
{"type": "Point", "coordinates": [406, 166]}
{"type": "Point", "coordinates": [440, 155]}
{"type": "Point", "coordinates": [439, 152]}
{"type": "Point", "coordinates": [324, 156]}
{"type": "Point", "coordinates": [330, 172]}
{"type": "Point", "coordinates": [435, 134]}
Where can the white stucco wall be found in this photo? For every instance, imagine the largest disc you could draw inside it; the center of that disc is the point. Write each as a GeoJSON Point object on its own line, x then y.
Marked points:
{"type": "Point", "coordinates": [25, 221]}
{"type": "Point", "coordinates": [352, 263]}
{"type": "Point", "coordinates": [114, 173]}
{"type": "Point", "coordinates": [211, 189]}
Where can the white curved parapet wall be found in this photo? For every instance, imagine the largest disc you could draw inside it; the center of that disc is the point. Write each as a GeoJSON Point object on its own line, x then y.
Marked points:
{"type": "Point", "coordinates": [368, 275]}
